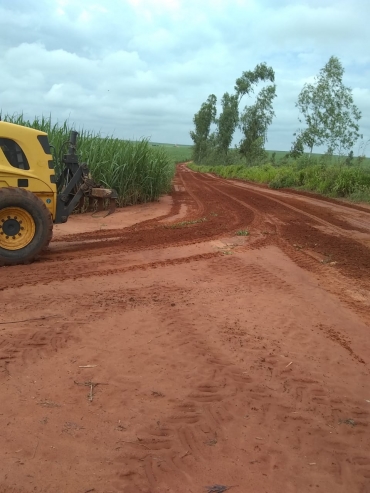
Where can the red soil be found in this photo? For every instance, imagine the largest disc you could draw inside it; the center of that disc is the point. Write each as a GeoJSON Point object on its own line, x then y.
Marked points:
{"type": "Point", "coordinates": [214, 358]}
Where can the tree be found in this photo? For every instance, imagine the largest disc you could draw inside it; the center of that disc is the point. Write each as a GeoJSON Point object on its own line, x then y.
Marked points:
{"type": "Point", "coordinates": [297, 148]}
{"type": "Point", "coordinates": [244, 85]}
{"type": "Point", "coordinates": [203, 121]}
{"type": "Point", "coordinates": [256, 118]}
{"type": "Point", "coordinates": [227, 122]}
{"type": "Point", "coordinates": [327, 108]}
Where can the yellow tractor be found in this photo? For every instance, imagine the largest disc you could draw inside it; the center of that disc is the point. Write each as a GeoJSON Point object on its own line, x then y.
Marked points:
{"type": "Point", "coordinates": [32, 198]}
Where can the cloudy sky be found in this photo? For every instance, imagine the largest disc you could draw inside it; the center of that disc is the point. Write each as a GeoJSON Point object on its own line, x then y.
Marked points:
{"type": "Point", "coordinates": [142, 68]}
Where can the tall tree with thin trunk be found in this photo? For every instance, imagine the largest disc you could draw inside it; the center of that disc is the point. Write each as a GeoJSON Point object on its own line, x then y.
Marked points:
{"type": "Point", "coordinates": [256, 118]}
{"type": "Point", "coordinates": [203, 120]}
{"type": "Point", "coordinates": [254, 123]}
{"type": "Point", "coordinates": [227, 122]}
{"type": "Point", "coordinates": [328, 111]}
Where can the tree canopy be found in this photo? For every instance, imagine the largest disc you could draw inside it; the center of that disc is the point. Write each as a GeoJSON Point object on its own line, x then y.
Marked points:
{"type": "Point", "coordinates": [256, 118]}
{"type": "Point", "coordinates": [253, 121]}
{"type": "Point", "coordinates": [227, 122]}
{"type": "Point", "coordinates": [203, 121]}
{"type": "Point", "coordinates": [328, 110]}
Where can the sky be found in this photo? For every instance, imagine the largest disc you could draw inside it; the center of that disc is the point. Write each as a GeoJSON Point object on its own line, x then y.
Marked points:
{"type": "Point", "coordinates": [142, 68]}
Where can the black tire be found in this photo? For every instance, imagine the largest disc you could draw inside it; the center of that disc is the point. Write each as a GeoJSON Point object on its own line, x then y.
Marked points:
{"type": "Point", "coordinates": [39, 233]}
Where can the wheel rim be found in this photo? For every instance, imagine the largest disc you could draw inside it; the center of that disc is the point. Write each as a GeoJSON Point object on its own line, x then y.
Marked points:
{"type": "Point", "coordinates": [17, 228]}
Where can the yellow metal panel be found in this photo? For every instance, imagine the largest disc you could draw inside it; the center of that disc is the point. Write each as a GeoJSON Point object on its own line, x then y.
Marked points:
{"type": "Point", "coordinates": [39, 175]}
{"type": "Point", "coordinates": [49, 200]}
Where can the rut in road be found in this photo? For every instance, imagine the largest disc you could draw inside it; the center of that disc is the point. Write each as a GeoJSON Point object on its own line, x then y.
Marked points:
{"type": "Point", "coordinates": [222, 208]}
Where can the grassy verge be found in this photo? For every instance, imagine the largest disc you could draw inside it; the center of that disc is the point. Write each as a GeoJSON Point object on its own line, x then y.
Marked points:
{"type": "Point", "coordinates": [139, 171]}
{"type": "Point", "coordinates": [334, 180]}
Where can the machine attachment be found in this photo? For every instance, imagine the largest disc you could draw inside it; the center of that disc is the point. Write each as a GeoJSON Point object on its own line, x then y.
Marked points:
{"type": "Point", "coordinates": [76, 187]}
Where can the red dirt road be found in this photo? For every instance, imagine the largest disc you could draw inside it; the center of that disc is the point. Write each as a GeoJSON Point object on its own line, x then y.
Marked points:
{"type": "Point", "coordinates": [157, 351]}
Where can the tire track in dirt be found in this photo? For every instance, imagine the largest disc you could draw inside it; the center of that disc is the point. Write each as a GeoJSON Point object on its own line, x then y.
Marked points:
{"type": "Point", "coordinates": [20, 343]}
{"type": "Point", "coordinates": [76, 273]}
{"type": "Point", "coordinates": [228, 207]}
{"type": "Point", "coordinates": [222, 218]}
{"type": "Point", "coordinates": [297, 202]}
{"type": "Point", "coordinates": [351, 255]}
{"type": "Point", "coordinates": [229, 378]}
{"type": "Point", "coordinates": [198, 426]}
{"type": "Point", "coordinates": [300, 251]}
{"type": "Point", "coordinates": [336, 225]}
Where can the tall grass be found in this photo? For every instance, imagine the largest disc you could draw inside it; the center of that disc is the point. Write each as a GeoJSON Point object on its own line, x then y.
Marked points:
{"type": "Point", "coordinates": [139, 171]}
{"type": "Point", "coordinates": [334, 180]}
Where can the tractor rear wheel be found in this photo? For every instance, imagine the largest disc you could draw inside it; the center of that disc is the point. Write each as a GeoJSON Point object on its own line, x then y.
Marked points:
{"type": "Point", "coordinates": [26, 226]}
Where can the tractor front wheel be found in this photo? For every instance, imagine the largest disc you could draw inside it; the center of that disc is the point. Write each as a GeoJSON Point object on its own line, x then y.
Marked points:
{"type": "Point", "coordinates": [26, 226]}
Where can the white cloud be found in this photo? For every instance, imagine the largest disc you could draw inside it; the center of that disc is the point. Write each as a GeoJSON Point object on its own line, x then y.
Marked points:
{"type": "Point", "coordinates": [143, 67]}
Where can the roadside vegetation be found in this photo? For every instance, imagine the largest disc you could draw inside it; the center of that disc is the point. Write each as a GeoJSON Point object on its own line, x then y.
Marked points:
{"type": "Point", "coordinates": [327, 115]}
{"type": "Point", "coordinates": [315, 175]}
{"type": "Point", "coordinates": [139, 171]}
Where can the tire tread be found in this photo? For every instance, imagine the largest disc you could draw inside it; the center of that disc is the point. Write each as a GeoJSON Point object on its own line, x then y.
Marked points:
{"type": "Point", "coordinates": [20, 194]}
